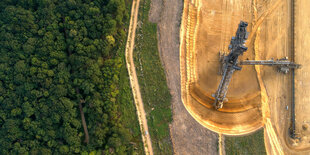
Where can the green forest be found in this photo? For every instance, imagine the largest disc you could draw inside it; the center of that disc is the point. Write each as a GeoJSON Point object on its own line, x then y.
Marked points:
{"type": "Point", "coordinates": [60, 84]}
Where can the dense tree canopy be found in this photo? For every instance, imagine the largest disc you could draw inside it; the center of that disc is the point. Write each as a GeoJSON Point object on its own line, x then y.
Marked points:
{"type": "Point", "coordinates": [55, 55]}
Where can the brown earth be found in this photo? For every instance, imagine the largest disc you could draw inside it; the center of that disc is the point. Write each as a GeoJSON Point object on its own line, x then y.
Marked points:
{"type": "Point", "coordinates": [187, 135]}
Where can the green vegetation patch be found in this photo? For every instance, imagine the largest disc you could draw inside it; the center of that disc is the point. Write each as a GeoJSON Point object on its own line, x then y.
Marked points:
{"type": "Point", "coordinates": [127, 108]}
{"type": "Point", "coordinates": [251, 144]}
{"type": "Point", "coordinates": [152, 81]}
{"type": "Point", "coordinates": [64, 88]}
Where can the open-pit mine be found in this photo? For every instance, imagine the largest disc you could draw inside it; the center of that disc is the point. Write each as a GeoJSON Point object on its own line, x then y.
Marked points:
{"type": "Point", "coordinates": [258, 96]}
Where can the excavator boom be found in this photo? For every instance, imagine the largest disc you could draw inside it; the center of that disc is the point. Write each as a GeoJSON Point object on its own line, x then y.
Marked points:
{"type": "Point", "coordinates": [230, 61]}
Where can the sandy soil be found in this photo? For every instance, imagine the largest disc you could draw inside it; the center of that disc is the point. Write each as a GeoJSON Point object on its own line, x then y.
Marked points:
{"type": "Point", "coordinates": [134, 80]}
{"type": "Point", "coordinates": [302, 83]}
{"type": "Point", "coordinates": [187, 135]}
{"type": "Point", "coordinates": [258, 95]}
{"type": "Point", "coordinates": [215, 22]}
{"type": "Point", "coordinates": [279, 87]}
{"type": "Point", "coordinates": [279, 116]}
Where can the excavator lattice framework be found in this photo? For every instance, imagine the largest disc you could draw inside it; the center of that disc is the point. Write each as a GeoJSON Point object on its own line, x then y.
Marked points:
{"type": "Point", "coordinates": [229, 63]}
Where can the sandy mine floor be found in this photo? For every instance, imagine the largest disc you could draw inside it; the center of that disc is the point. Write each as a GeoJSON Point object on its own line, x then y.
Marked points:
{"type": "Point", "coordinates": [302, 82]}
{"type": "Point", "coordinates": [207, 29]}
{"type": "Point", "coordinates": [257, 96]}
{"type": "Point", "coordinates": [275, 41]}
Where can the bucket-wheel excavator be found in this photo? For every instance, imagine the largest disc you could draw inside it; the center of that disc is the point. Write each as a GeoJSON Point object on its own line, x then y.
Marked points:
{"type": "Point", "coordinates": [229, 63]}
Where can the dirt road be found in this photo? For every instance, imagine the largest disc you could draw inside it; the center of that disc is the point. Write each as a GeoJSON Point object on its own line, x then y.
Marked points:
{"type": "Point", "coordinates": [134, 80]}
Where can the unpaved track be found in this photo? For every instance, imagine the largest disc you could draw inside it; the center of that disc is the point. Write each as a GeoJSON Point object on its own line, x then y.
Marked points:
{"type": "Point", "coordinates": [134, 80]}
{"type": "Point", "coordinates": [222, 144]}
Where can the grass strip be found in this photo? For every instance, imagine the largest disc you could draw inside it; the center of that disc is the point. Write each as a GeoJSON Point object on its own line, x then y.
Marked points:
{"type": "Point", "coordinates": [152, 80]}
{"type": "Point", "coordinates": [251, 144]}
